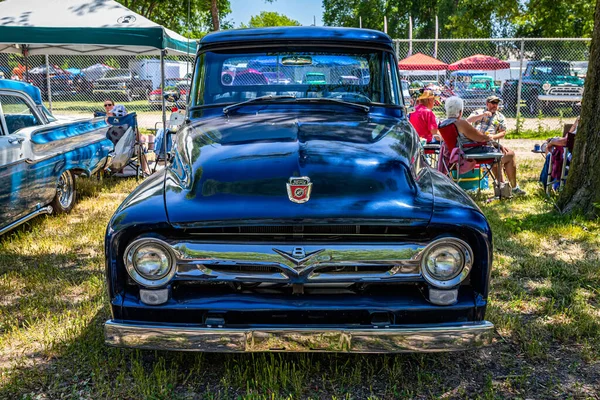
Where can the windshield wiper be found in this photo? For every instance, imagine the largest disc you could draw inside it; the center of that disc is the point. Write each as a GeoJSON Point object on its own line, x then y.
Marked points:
{"type": "Point", "coordinates": [332, 100]}
{"type": "Point", "coordinates": [268, 97]}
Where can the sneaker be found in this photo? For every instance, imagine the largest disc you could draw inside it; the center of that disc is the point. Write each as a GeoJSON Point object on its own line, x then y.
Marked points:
{"type": "Point", "coordinates": [517, 191]}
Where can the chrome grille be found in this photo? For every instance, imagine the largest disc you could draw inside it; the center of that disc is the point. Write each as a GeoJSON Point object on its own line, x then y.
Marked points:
{"type": "Point", "coordinates": [298, 264]}
{"type": "Point", "coordinates": [566, 90]}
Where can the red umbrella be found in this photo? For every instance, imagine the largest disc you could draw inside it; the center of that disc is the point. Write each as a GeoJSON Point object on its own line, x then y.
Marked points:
{"type": "Point", "coordinates": [479, 61]}
{"type": "Point", "coordinates": [421, 62]}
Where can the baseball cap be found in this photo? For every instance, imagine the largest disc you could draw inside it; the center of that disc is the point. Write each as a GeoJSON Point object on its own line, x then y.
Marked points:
{"type": "Point", "coordinates": [493, 99]}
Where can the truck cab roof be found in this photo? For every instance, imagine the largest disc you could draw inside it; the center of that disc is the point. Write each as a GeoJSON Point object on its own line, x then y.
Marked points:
{"type": "Point", "coordinates": [298, 33]}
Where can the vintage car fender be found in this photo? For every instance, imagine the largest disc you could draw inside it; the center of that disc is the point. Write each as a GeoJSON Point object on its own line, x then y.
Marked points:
{"type": "Point", "coordinates": [40, 154]}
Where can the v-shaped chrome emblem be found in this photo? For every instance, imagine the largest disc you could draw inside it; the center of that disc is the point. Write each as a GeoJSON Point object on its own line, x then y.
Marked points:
{"type": "Point", "coordinates": [298, 256]}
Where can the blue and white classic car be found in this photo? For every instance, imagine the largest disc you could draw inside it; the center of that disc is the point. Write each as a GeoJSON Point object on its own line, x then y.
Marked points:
{"type": "Point", "coordinates": [40, 155]}
{"type": "Point", "coordinates": [298, 215]}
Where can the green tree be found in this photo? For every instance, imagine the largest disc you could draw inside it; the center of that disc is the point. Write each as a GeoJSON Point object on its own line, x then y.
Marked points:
{"type": "Point", "coordinates": [192, 20]}
{"type": "Point", "coordinates": [551, 18]}
{"type": "Point", "coordinates": [582, 191]}
{"type": "Point", "coordinates": [466, 18]}
{"type": "Point", "coordinates": [269, 18]}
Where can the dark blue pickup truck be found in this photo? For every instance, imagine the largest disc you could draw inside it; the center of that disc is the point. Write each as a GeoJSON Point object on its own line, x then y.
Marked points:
{"type": "Point", "coordinates": [298, 215]}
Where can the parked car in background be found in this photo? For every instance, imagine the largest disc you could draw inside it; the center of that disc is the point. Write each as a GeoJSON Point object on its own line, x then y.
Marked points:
{"type": "Point", "coordinates": [122, 83]}
{"type": "Point", "coordinates": [475, 92]}
{"type": "Point", "coordinates": [40, 156]}
{"type": "Point", "coordinates": [296, 217]}
{"type": "Point", "coordinates": [179, 86]}
{"type": "Point", "coordinates": [61, 81]}
{"type": "Point", "coordinates": [546, 85]}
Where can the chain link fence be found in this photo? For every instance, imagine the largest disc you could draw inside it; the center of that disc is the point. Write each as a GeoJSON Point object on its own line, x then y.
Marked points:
{"type": "Point", "coordinates": [77, 85]}
{"type": "Point", "coordinates": [539, 80]}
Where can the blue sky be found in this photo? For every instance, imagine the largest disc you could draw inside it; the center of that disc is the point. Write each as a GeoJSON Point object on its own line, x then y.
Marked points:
{"type": "Point", "coordinates": [300, 10]}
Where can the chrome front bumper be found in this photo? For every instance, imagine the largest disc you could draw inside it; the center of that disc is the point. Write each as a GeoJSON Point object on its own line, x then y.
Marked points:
{"type": "Point", "coordinates": [560, 98]}
{"type": "Point", "coordinates": [428, 338]}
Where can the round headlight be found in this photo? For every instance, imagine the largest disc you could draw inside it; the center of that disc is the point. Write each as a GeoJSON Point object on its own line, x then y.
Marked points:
{"type": "Point", "coordinates": [546, 86]}
{"type": "Point", "coordinates": [446, 262]}
{"type": "Point", "coordinates": [150, 262]}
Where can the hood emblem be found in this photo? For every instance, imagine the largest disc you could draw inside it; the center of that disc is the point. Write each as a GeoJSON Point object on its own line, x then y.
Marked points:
{"type": "Point", "coordinates": [298, 256]}
{"type": "Point", "coordinates": [298, 189]}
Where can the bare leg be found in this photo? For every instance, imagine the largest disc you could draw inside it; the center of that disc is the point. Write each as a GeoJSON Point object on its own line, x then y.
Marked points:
{"type": "Point", "coordinates": [510, 166]}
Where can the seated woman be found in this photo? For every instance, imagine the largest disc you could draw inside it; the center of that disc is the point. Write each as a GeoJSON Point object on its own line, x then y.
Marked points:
{"type": "Point", "coordinates": [562, 141]}
{"type": "Point", "coordinates": [468, 135]}
{"type": "Point", "coordinates": [554, 176]}
{"type": "Point", "coordinates": [466, 132]}
{"type": "Point", "coordinates": [423, 119]}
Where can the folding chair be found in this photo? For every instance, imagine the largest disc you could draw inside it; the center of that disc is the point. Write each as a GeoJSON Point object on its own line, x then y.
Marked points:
{"type": "Point", "coordinates": [559, 162]}
{"type": "Point", "coordinates": [129, 151]}
{"type": "Point", "coordinates": [488, 160]}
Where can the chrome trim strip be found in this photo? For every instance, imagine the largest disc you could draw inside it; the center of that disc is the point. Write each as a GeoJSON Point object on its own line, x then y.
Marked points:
{"type": "Point", "coordinates": [551, 97]}
{"type": "Point", "coordinates": [426, 338]}
{"type": "Point", "coordinates": [43, 210]}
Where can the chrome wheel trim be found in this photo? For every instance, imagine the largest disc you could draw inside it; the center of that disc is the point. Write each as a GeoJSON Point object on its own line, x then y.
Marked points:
{"type": "Point", "coordinates": [65, 190]}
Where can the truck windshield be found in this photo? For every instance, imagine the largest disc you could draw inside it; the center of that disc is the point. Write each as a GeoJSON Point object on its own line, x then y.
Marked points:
{"type": "Point", "coordinates": [358, 76]}
{"type": "Point", "coordinates": [563, 69]}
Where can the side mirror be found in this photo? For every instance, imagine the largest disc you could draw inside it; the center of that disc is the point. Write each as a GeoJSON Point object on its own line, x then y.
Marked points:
{"type": "Point", "coordinates": [171, 97]}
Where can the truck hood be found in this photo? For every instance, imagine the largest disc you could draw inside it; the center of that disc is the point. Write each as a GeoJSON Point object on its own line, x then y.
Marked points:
{"type": "Point", "coordinates": [234, 170]}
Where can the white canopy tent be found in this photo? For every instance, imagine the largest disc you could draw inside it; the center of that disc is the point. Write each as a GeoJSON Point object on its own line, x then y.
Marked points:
{"type": "Point", "coordinates": [88, 27]}
{"type": "Point", "coordinates": [85, 27]}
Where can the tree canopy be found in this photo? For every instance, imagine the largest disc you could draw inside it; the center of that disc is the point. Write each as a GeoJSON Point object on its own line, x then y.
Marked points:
{"type": "Point", "coordinates": [270, 18]}
{"type": "Point", "coordinates": [466, 18]}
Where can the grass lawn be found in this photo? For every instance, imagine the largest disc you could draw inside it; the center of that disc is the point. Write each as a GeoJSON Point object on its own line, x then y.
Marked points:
{"type": "Point", "coordinates": [544, 302]}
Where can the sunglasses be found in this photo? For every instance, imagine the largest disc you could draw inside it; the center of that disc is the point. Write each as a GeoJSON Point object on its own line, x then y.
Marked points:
{"type": "Point", "coordinates": [108, 105]}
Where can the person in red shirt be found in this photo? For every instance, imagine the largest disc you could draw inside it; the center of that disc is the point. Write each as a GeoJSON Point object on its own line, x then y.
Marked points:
{"type": "Point", "coordinates": [423, 119]}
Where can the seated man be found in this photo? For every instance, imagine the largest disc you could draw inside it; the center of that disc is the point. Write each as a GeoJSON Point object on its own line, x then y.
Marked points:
{"type": "Point", "coordinates": [423, 119]}
{"type": "Point", "coordinates": [493, 124]}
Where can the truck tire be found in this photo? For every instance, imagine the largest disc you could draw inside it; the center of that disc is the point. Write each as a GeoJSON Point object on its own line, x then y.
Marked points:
{"type": "Point", "coordinates": [66, 193]}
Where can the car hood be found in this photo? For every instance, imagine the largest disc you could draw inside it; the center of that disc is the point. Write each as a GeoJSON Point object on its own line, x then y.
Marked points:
{"type": "Point", "coordinates": [235, 170]}
{"type": "Point", "coordinates": [474, 93]}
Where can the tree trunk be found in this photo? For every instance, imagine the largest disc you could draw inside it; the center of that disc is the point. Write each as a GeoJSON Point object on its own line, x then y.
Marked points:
{"type": "Point", "coordinates": [214, 11]}
{"type": "Point", "coordinates": [582, 191]}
